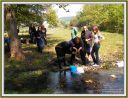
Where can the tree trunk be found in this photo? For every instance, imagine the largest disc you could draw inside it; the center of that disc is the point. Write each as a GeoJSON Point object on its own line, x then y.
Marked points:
{"type": "Point", "coordinates": [15, 44]}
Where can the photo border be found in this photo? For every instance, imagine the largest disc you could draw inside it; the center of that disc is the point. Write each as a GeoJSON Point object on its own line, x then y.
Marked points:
{"type": "Point", "coordinates": [125, 37]}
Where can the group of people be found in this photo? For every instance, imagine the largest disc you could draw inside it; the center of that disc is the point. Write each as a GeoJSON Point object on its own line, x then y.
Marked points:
{"type": "Point", "coordinates": [38, 36]}
{"type": "Point", "coordinates": [87, 46]}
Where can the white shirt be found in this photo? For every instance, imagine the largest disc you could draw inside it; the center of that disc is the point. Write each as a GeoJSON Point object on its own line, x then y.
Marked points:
{"type": "Point", "coordinates": [97, 38]}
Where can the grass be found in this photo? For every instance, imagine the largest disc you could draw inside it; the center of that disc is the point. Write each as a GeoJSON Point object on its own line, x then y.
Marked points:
{"type": "Point", "coordinates": [18, 73]}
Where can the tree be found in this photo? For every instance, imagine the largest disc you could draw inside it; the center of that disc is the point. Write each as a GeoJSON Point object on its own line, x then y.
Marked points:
{"type": "Point", "coordinates": [74, 21]}
{"type": "Point", "coordinates": [109, 17]}
{"type": "Point", "coordinates": [52, 17]}
{"type": "Point", "coordinates": [15, 45]}
{"type": "Point", "coordinates": [21, 14]}
{"type": "Point", "coordinates": [17, 14]}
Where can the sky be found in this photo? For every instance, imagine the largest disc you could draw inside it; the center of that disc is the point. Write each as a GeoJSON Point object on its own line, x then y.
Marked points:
{"type": "Point", "coordinates": [73, 10]}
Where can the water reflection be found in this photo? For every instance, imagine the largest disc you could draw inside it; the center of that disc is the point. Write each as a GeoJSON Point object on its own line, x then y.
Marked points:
{"type": "Point", "coordinates": [64, 82]}
{"type": "Point", "coordinates": [67, 83]}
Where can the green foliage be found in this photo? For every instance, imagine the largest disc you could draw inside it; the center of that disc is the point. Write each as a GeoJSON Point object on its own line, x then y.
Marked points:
{"type": "Point", "coordinates": [109, 17]}
{"type": "Point", "coordinates": [65, 21]}
{"type": "Point", "coordinates": [52, 17]}
{"type": "Point", "coordinates": [28, 13]}
{"type": "Point", "coordinates": [74, 21]}
{"type": "Point", "coordinates": [33, 13]}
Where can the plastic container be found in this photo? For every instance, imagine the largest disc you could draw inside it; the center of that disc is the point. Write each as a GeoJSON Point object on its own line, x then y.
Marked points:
{"type": "Point", "coordinates": [73, 69]}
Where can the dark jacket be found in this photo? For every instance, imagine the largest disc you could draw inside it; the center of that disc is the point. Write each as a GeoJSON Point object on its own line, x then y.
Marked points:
{"type": "Point", "coordinates": [40, 34]}
{"type": "Point", "coordinates": [32, 29]}
{"type": "Point", "coordinates": [86, 35]}
{"type": "Point", "coordinates": [44, 30]}
{"type": "Point", "coordinates": [67, 46]}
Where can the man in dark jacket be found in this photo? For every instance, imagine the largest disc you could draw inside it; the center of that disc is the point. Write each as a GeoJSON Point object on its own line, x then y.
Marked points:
{"type": "Point", "coordinates": [86, 37]}
{"type": "Point", "coordinates": [72, 47]}
{"type": "Point", "coordinates": [32, 32]}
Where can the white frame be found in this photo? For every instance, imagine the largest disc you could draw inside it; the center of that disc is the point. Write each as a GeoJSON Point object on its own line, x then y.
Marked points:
{"type": "Point", "coordinates": [64, 94]}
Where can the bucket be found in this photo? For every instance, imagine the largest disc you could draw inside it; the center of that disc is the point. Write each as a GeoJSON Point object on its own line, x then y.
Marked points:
{"type": "Point", "coordinates": [73, 68]}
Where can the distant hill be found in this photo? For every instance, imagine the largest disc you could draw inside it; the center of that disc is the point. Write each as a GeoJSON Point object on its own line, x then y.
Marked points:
{"type": "Point", "coordinates": [66, 19]}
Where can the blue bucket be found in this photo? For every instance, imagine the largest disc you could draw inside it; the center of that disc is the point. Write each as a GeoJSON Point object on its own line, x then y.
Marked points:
{"type": "Point", "coordinates": [73, 68]}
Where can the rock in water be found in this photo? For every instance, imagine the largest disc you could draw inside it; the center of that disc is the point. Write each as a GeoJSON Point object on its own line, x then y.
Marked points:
{"type": "Point", "coordinates": [80, 69]}
{"type": "Point", "coordinates": [113, 76]}
{"type": "Point", "coordinates": [120, 63]}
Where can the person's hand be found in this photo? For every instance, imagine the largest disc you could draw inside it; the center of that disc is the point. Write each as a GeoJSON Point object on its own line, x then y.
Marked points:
{"type": "Point", "coordinates": [86, 40]}
{"type": "Point", "coordinates": [79, 49]}
{"type": "Point", "coordinates": [74, 52]}
{"type": "Point", "coordinates": [75, 48]}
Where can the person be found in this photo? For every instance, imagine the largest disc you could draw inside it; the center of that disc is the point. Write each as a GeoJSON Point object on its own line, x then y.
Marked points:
{"type": "Point", "coordinates": [7, 41]}
{"type": "Point", "coordinates": [32, 32]}
{"type": "Point", "coordinates": [86, 37]}
{"type": "Point", "coordinates": [18, 30]}
{"type": "Point", "coordinates": [40, 39]}
{"type": "Point", "coordinates": [72, 47]}
{"type": "Point", "coordinates": [44, 31]}
{"type": "Point", "coordinates": [95, 50]}
{"type": "Point", "coordinates": [74, 32]}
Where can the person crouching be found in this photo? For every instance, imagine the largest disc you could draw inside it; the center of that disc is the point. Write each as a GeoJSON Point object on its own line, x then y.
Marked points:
{"type": "Point", "coordinates": [72, 47]}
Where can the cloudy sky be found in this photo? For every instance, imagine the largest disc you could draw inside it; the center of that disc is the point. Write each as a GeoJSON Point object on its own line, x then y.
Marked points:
{"type": "Point", "coordinates": [73, 9]}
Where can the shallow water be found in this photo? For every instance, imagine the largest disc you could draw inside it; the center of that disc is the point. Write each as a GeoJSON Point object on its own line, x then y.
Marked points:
{"type": "Point", "coordinates": [67, 83]}
{"type": "Point", "coordinates": [72, 84]}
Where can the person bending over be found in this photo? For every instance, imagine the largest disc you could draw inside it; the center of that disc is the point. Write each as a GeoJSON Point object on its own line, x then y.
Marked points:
{"type": "Point", "coordinates": [72, 47]}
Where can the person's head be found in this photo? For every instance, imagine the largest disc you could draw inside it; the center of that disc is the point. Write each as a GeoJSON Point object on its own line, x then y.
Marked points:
{"type": "Point", "coordinates": [72, 26]}
{"type": "Point", "coordinates": [39, 28]}
{"type": "Point", "coordinates": [42, 26]}
{"type": "Point", "coordinates": [75, 62]}
{"type": "Point", "coordinates": [77, 40]}
{"type": "Point", "coordinates": [95, 29]}
{"type": "Point", "coordinates": [85, 28]}
{"type": "Point", "coordinates": [6, 35]}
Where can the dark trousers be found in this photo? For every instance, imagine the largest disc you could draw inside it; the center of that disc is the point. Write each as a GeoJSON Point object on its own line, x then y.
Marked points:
{"type": "Point", "coordinates": [60, 55]}
{"type": "Point", "coordinates": [82, 55]}
{"type": "Point", "coordinates": [32, 36]}
{"type": "Point", "coordinates": [87, 49]}
{"type": "Point", "coordinates": [45, 41]}
{"type": "Point", "coordinates": [95, 53]}
{"type": "Point", "coordinates": [40, 49]}
{"type": "Point", "coordinates": [8, 47]}
{"type": "Point", "coordinates": [40, 44]}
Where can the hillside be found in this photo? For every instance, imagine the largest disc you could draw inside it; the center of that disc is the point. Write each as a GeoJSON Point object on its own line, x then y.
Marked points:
{"type": "Point", "coordinates": [66, 19]}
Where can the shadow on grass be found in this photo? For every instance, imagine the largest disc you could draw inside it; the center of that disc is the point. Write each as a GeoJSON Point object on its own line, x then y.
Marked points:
{"type": "Point", "coordinates": [29, 76]}
{"type": "Point", "coordinates": [28, 83]}
{"type": "Point", "coordinates": [18, 77]}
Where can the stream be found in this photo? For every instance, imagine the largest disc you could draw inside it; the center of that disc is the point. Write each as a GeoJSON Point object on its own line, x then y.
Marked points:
{"type": "Point", "coordinates": [63, 82]}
